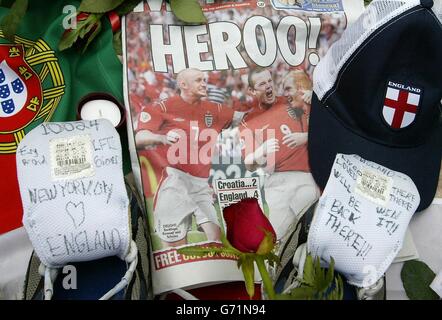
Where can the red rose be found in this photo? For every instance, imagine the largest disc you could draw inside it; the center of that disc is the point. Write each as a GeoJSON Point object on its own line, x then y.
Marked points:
{"type": "Point", "coordinates": [247, 226]}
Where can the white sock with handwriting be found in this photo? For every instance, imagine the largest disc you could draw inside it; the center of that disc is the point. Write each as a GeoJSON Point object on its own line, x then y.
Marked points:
{"type": "Point", "coordinates": [75, 204]}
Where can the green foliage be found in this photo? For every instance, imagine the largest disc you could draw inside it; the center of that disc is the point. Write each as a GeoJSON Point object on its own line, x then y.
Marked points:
{"type": "Point", "coordinates": [99, 6]}
{"type": "Point", "coordinates": [245, 260]}
{"type": "Point", "coordinates": [11, 21]}
{"type": "Point", "coordinates": [228, 246]}
{"type": "Point", "coordinates": [117, 43]}
{"type": "Point", "coordinates": [200, 251]}
{"type": "Point", "coordinates": [188, 11]}
{"type": "Point", "coordinates": [248, 269]}
{"type": "Point", "coordinates": [94, 32]}
{"type": "Point", "coordinates": [267, 244]}
{"type": "Point", "coordinates": [87, 29]}
{"type": "Point", "coordinates": [126, 7]}
{"type": "Point", "coordinates": [317, 283]}
{"type": "Point", "coordinates": [416, 278]}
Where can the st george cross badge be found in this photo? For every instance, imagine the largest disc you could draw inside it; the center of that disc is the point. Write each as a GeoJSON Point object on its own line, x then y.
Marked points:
{"type": "Point", "coordinates": [401, 104]}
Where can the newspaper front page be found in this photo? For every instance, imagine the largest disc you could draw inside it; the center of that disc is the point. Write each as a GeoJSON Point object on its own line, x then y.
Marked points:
{"type": "Point", "coordinates": [219, 112]}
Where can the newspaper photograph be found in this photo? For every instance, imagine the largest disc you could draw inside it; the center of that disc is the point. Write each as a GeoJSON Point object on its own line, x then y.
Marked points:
{"type": "Point", "coordinates": [218, 112]}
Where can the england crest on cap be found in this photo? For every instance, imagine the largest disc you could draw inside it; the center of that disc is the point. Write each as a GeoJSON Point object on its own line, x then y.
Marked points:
{"type": "Point", "coordinates": [401, 104]}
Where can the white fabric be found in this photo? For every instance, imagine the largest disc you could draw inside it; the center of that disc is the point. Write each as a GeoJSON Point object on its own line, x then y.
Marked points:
{"type": "Point", "coordinates": [75, 204]}
{"type": "Point", "coordinates": [436, 284]}
{"type": "Point", "coordinates": [408, 250]}
{"type": "Point", "coordinates": [15, 253]}
{"type": "Point", "coordinates": [377, 14]}
{"type": "Point", "coordinates": [437, 9]}
{"type": "Point", "coordinates": [179, 195]}
{"type": "Point", "coordinates": [288, 195]}
{"type": "Point", "coordinates": [361, 218]}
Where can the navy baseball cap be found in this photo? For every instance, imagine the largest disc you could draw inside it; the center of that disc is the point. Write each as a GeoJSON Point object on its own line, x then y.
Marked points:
{"type": "Point", "coordinates": [377, 94]}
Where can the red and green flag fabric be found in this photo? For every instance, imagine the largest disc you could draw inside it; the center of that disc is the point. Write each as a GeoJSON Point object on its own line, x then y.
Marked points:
{"type": "Point", "coordinates": [39, 83]}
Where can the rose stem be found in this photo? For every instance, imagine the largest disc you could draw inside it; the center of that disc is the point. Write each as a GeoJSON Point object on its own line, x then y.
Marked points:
{"type": "Point", "coordinates": [268, 284]}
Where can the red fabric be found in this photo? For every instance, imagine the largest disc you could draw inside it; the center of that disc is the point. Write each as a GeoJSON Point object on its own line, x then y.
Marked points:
{"type": "Point", "coordinates": [242, 106]}
{"type": "Point", "coordinates": [401, 106]}
{"type": "Point", "coordinates": [152, 91]}
{"type": "Point", "coordinates": [224, 291]}
{"type": "Point", "coordinates": [114, 21]}
{"type": "Point", "coordinates": [278, 119]}
{"type": "Point", "coordinates": [191, 122]}
{"type": "Point", "coordinates": [11, 130]}
{"type": "Point", "coordinates": [12, 211]}
{"type": "Point", "coordinates": [136, 102]}
{"type": "Point", "coordinates": [156, 159]}
{"type": "Point", "coordinates": [82, 16]}
{"type": "Point", "coordinates": [214, 77]}
{"type": "Point", "coordinates": [255, 108]}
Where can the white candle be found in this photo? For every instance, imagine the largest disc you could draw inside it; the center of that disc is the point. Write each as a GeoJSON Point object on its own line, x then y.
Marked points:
{"type": "Point", "coordinates": [101, 109]}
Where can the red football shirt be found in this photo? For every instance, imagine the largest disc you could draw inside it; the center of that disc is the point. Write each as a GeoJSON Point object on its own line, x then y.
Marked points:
{"type": "Point", "coordinates": [282, 122]}
{"type": "Point", "coordinates": [198, 126]}
{"type": "Point", "coordinates": [257, 109]}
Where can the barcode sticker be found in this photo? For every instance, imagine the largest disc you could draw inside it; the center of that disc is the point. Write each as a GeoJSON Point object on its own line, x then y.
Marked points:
{"type": "Point", "coordinates": [374, 186]}
{"type": "Point", "coordinates": [71, 158]}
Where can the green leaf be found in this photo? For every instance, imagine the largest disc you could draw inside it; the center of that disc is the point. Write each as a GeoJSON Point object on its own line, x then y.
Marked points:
{"type": "Point", "coordinates": [331, 271]}
{"type": "Point", "coordinates": [239, 262]}
{"type": "Point", "coordinates": [317, 282]}
{"type": "Point", "coordinates": [416, 278]}
{"type": "Point", "coordinates": [201, 251]}
{"type": "Point", "coordinates": [338, 292]}
{"type": "Point", "coordinates": [243, 257]}
{"type": "Point", "coordinates": [339, 288]}
{"type": "Point", "coordinates": [93, 35]}
{"type": "Point", "coordinates": [10, 23]}
{"type": "Point", "coordinates": [309, 272]}
{"type": "Point", "coordinates": [272, 259]}
{"type": "Point", "coordinates": [83, 28]}
{"type": "Point", "coordinates": [303, 293]}
{"type": "Point", "coordinates": [248, 271]}
{"type": "Point", "coordinates": [321, 283]}
{"type": "Point", "coordinates": [283, 296]}
{"type": "Point", "coordinates": [67, 40]}
{"type": "Point", "coordinates": [126, 7]}
{"type": "Point", "coordinates": [224, 241]}
{"type": "Point", "coordinates": [227, 245]}
{"type": "Point", "coordinates": [317, 264]}
{"type": "Point", "coordinates": [228, 251]}
{"type": "Point", "coordinates": [99, 6]}
{"type": "Point", "coordinates": [198, 250]}
{"type": "Point", "coordinates": [267, 244]}
{"type": "Point", "coordinates": [117, 43]}
{"type": "Point", "coordinates": [188, 11]}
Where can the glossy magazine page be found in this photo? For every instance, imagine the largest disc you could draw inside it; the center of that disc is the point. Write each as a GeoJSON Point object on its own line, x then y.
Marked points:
{"type": "Point", "coordinates": [219, 112]}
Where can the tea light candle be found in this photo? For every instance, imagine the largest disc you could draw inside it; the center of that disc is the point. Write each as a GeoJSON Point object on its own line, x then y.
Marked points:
{"type": "Point", "coordinates": [101, 109]}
